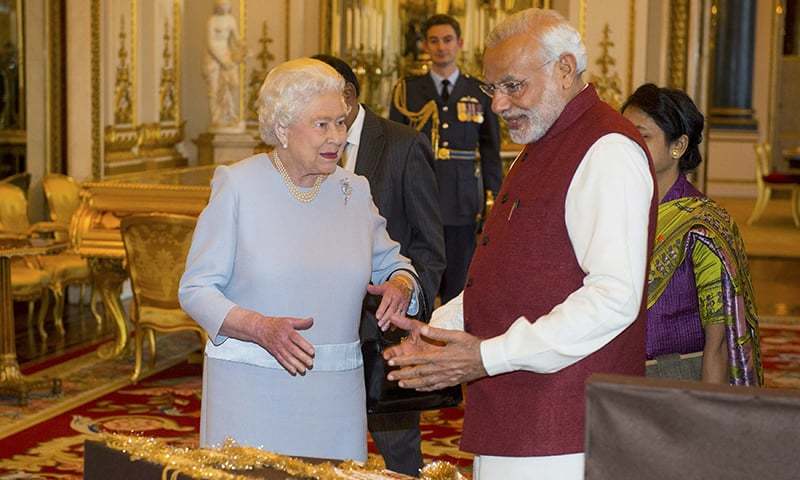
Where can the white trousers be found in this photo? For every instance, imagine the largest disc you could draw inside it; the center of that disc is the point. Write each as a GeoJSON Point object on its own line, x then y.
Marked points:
{"type": "Point", "coordinates": [557, 467]}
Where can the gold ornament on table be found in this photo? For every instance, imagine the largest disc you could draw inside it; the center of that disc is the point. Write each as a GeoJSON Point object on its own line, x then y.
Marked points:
{"type": "Point", "coordinates": [222, 463]}
{"type": "Point", "coordinates": [166, 90]}
{"type": "Point", "coordinates": [257, 77]}
{"type": "Point", "coordinates": [123, 105]}
{"type": "Point", "coordinates": [608, 84]}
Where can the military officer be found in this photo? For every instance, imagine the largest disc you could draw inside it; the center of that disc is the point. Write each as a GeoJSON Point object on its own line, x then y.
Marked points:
{"type": "Point", "coordinates": [448, 105]}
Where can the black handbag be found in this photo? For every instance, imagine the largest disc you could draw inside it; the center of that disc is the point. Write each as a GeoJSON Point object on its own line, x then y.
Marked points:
{"type": "Point", "coordinates": [384, 396]}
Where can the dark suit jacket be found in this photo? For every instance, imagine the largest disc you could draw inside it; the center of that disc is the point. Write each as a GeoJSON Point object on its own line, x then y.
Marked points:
{"type": "Point", "coordinates": [460, 192]}
{"type": "Point", "coordinates": [398, 162]}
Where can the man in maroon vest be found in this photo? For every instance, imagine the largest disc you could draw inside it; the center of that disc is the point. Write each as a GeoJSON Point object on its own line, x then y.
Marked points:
{"type": "Point", "coordinates": [556, 287]}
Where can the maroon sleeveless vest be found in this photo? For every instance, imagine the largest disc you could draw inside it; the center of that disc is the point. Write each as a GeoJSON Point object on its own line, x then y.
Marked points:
{"type": "Point", "coordinates": [525, 265]}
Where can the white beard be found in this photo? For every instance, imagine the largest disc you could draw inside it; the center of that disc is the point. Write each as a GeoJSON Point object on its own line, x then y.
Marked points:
{"type": "Point", "coordinates": [539, 119]}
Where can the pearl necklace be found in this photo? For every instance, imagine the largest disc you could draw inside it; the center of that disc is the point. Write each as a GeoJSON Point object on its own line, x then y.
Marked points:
{"type": "Point", "coordinates": [300, 195]}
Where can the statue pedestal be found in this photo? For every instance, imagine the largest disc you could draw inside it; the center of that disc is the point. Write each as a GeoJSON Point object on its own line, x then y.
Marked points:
{"type": "Point", "coordinates": [225, 147]}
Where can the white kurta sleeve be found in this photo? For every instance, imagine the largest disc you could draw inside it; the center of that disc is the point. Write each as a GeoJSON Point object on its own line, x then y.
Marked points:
{"type": "Point", "coordinates": [607, 216]}
{"type": "Point", "coordinates": [211, 256]}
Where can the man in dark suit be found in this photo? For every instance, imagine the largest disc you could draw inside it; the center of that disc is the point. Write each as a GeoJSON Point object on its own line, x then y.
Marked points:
{"type": "Point", "coordinates": [466, 126]}
{"type": "Point", "coordinates": [398, 162]}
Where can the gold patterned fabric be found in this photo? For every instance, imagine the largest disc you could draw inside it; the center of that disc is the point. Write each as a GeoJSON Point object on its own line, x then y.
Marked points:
{"type": "Point", "coordinates": [156, 246]}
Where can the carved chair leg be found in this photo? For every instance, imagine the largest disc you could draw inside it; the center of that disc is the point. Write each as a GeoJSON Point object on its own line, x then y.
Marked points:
{"type": "Point", "coordinates": [94, 301]}
{"type": "Point", "coordinates": [137, 354]}
{"type": "Point", "coordinates": [43, 307]}
{"type": "Point", "coordinates": [795, 206]}
{"type": "Point", "coordinates": [761, 204]}
{"type": "Point", "coordinates": [31, 308]}
{"type": "Point", "coordinates": [151, 336]}
{"type": "Point", "coordinates": [58, 308]}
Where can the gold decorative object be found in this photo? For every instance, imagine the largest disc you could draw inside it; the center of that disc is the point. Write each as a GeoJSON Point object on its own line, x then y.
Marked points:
{"type": "Point", "coordinates": [222, 463]}
{"type": "Point", "coordinates": [166, 91]}
{"type": "Point", "coordinates": [257, 76]}
{"type": "Point", "coordinates": [123, 104]}
{"type": "Point", "coordinates": [608, 83]}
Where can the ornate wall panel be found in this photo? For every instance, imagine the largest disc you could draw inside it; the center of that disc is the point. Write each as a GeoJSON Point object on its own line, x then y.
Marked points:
{"type": "Point", "coordinates": [614, 33]}
{"type": "Point", "coordinates": [136, 100]}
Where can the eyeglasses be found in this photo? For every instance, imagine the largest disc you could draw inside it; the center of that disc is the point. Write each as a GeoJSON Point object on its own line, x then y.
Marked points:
{"type": "Point", "coordinates": [511, 88]}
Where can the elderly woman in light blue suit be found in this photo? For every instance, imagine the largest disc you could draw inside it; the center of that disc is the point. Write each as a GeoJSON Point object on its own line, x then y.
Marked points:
{"type": "Point", "coordinates": [280, 262]}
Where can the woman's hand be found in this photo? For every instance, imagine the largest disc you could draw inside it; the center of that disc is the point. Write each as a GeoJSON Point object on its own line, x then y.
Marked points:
{"type": "Point", "coordinates": [396, 295]}
{"type": "Point", "coordinates": [277, 335]}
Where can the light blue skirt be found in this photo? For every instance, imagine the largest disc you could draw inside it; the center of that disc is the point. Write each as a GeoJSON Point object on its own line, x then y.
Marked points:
{"type": "Point", "coordinates": [321, 414]}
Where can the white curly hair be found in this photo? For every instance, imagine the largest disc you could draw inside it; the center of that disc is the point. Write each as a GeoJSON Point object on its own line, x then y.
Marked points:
{"type": "Point", "coordinates": [287, 90]}
{"type": "Point", "coordinates": [556, 35]}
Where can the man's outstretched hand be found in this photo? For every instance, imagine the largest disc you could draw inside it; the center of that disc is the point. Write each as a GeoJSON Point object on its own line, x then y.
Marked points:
{"type": "Point", "coordinates": [433, 358]}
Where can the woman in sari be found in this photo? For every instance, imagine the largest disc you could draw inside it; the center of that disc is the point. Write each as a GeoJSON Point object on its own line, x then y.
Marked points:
{"type": "Point", "coordinates": [702, 322]}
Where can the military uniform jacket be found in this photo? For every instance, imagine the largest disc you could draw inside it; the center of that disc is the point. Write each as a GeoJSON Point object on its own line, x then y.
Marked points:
{"type": "Point", "coordinates": [460, 190]}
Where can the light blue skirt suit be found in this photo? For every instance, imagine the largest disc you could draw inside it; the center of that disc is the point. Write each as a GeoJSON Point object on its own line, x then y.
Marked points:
{"type": "Point", "coordinates": [258, 247]}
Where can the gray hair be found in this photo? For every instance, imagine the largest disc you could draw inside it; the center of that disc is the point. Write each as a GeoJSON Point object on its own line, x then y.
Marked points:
{"type": "Point", "coordinates": [556, 35]}
{"type": "Point", "coordinates": [287, 89]}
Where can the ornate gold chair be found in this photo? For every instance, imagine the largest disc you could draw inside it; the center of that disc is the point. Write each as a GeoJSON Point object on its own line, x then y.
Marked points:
{"type": "Point", "coordinates": [63, 195]}
{"type": "Point", "coordinates": [156, 246]}
{"type": "Point", "coordinates": [768, 180]}
{"type": "Point", "coordinates": [22, 180]}
{"type": "Point", "coordinates": [63, 268]}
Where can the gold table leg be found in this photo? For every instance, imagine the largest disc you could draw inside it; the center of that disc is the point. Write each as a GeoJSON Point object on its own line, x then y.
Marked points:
{"type": "Point", "coordinates": [109, 276]}
{"type": "Point", "coordinates": [12, 382]}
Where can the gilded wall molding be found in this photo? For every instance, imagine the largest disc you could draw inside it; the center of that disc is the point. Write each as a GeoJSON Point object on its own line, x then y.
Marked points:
{"type": "Point", "coordinates": [54, 84]}
{"type": "Point", "coordinates": [608, 83]}
{"type": "Point", "coordinates": [287, 22]}
{"type": "Point", "coordinates": [678, 43]}
{"type": "Point", "coordinates": [167, 95]}
{"type": "Point", "coordinates": [123, 83]}
{"type": "Point", "coordinates": [176, 55]}
{"type": "Point", "coordinates": [631, 43]}
{"type": "Point", "coordinates": [257, 76]}
{"type": "Point", "coordinates": [97, 138]}
{"type": "Point", "coordinates": [242, 65]}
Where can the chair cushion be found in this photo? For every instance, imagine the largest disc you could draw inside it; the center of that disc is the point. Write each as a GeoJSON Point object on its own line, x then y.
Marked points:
{"type": "Point", "coordinates": [66, 267]}
{"type": "Point", "coordinates": [784, 178]}
{"type": "Point", "coordinates": [27, 282]}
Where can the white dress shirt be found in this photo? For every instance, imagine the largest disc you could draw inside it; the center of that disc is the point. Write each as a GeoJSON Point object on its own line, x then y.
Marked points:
{"type": "Point", "coordinates": [353, 140]}
{"type": "Point", "coordinates": [607, 212]}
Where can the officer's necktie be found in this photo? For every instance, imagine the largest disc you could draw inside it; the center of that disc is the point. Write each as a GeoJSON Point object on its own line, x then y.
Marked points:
{"type": "Point", "coordinates": [445, 90]}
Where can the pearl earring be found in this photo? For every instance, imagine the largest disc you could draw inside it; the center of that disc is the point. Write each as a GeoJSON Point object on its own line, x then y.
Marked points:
{"type": "Point", "coordinates": [285, 145]}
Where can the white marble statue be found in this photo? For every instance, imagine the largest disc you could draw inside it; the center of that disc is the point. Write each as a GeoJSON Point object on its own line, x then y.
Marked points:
{"type": "Point", "coordinates": [225, 52]}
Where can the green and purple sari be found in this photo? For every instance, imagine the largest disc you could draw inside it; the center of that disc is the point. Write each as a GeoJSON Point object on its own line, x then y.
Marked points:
{"type": "Point", "coordinates": [699, 277]}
